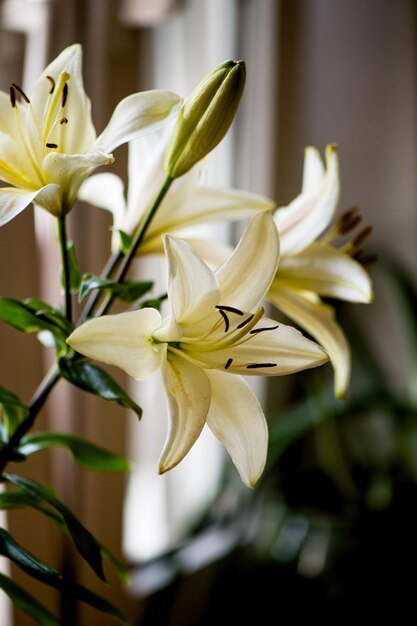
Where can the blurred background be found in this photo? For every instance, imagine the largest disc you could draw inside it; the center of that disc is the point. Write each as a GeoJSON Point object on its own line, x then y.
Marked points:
{"type": "Point", "coordinates": [331, 526]}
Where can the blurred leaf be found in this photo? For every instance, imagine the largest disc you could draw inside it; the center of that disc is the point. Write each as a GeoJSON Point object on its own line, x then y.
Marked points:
{"type": "Point", "coordinates": [36, 568]}
{"type": "Point", "coordinates": [93, 379]}
{"type": "Point", "coordinates": [86, 454]}
{"type": "Point", "coordinates": [84, 541]}
{"type": "Point", "coordinates": [15, 498]}
{"type": "Point", "coordinates": [129, 291]}
{"type": "Point", "coordinates": [50, 314]}
{"type": "Point", "coordinates": [125, 240]}
{"type": "Point", "coordinates": [13, 409]}
{"type": "Point", "coordinates": [21, 316]}
{"type": "Point", "coordinates": [27, 603]}
{"type": "Point", "coordinates": [25, 560]}
{"type": "Point", "coordinates": [75, 276]}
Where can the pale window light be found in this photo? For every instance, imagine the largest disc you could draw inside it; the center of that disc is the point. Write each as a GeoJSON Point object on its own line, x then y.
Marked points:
{"type": "Point", "coordinates": [31, 18]}
{"type": "Point", "coordinates": [158, 510]}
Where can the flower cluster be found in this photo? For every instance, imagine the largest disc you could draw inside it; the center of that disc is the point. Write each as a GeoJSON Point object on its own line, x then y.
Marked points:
{"type": "Point", "coordinates": [216, 331]}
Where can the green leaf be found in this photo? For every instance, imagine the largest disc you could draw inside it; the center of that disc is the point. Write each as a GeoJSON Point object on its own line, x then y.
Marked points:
{"type": "Point", "coordinates": [21, 316]}
{"type": "Point", "coordinates": [36, 568]}
{"type": "Point", "coordinates": [36, 316]}
{"type": "Point", "coordinates": [24, 559]}
{"type": "Point", "coordinates": [129, 291]}
{"type": "Point", "coordinates": [13, 409]}
{"type": "Point", "coordinates": [84, 541]}
{"type": "Point", "coordinates": [86, 454]}
{"type": "Point", "coordinates": [75, 275]}
{"type": "Point", "coordinates": [93, 379]}
{"type": "Point", "coordinates": [125, 240]}
{"type": "Point", "coordinates": [27, 603]}
{"type": "Point", "coordinates": [15, 498]}
{"type": "Point", "coordinates": [51, 315]}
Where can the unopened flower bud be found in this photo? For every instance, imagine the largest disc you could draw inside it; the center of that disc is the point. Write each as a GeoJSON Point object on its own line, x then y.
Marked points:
{"type": "Point", "coordinates": [205, 117]}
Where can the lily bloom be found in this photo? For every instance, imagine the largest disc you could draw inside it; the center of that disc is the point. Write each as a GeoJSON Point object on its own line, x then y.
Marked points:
{"type": "Point", "coordinates": [189, 201]}
{"type": "Point", "coordinates": [312, 265]}
{"type": "Point", "coordinates": [48, 144]}
{"type": "Point", "coordinates": [216, 333]}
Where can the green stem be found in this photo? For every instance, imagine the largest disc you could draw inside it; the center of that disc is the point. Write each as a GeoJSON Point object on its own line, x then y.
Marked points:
{"type": "Point", "coordinates": [108, 270]}
{"type": "Point", "coordinates": [62, 235]}
{"type": "Point", "coordinates": [137, 240]}
{"type": "Point", "coordinates": [37, 402]}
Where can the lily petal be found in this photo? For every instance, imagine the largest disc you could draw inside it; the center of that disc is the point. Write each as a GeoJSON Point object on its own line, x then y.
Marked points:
{"type": "Point", "coordinates": [204, 204]}
{"type": "Point", "coordinates": [16, 168]}
{"type": "Point", "coordinates": [123, 340]}
{"type": "Point", "coordinates": [193, 290]}
{"type": "Point", "coordinates": [319, 320]}
{"type": "Point", "coordinates": [69, 170]}
{"type": "Point", "coordinates": [237, 420]}
{"type": "Point", "coordinates": [313, 172]}
{"type": "Point", "coordinates": [327, 271]}
{"type": "Point", "coordinates": [79, 133]}
{"type": "Point", "coordinates": [271, 349]}
{"type": "Point", "coordinates": [13, 201]}
{"type": "Point", "coordinates": [7, 115]}
{"type": "Point", "coordinates": [136, 115]}
{"type": "Point", "coordinates": [188, 396]}
{"type": "Point", "coordinates": [107, 192]}
{"type": "Point", "coordinates": [245, 278]}
{"type": "Point", "coordinates": [306, 217]}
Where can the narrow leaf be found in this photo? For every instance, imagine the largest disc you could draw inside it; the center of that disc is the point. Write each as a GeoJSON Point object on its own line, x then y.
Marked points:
{"type": "Point", "coordinates": [15, 498]}
{"type": "Point", "coordinates": [125, 240]}
{"type": "Point", "coordinates": [93, 379]}
{"type": "Point", "coordinates": [129, 291]}
{"type": "Point", "coordinates": [86, 454]}
{"type": "Point", "coordinates": [24, 559]}
{"type": "Point", "coordinates": [27, 603]}
{"type": "Point", "coordinates": [13, 409]}
{"type": "Point", "coordinates": [20, 316]}
{"type": "Point", "coordinates": [36, 568]}
{"type": "Point", "coordinates": [84, 541]}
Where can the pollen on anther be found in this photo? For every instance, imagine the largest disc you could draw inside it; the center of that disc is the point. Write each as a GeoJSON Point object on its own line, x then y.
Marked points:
{"type": "Point", "coordinates": [226, 320]}
{"type": "Point", "coordinates": [261, 330]}
{"type": "Point", "coordinates": [63, 120]}
{"type": "Point", "coordinates": [52, 81]}
{"type": "Point", "coordinates": [246, 321]}
{"type": "Point", "coordinates": [228, 364]}
{"type": "Point", "coordinates": [254, 366]}
{"type": "Point", "coordinates": [64, 94]}
{"type": "Point", "coordinates": [22, 93]}
{"type": "Point", "coordinates": [229, 309]}
{"type": "Point", "coordinates": [12, 94]}
{"type": "Point", "coordinates": [51, 145]}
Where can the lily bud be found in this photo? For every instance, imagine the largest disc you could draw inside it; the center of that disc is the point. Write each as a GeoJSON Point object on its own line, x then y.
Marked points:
{"type": "Point", "coordinates": [205, 117]}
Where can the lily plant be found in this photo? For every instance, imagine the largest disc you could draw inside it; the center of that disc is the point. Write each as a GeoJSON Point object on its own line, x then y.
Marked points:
{"type": "Point", "coordinates": [48, 144]}
{"type": "Point", "coordinates": [314, 264]}
{"type": "Point", "coordinates": [216, 333]}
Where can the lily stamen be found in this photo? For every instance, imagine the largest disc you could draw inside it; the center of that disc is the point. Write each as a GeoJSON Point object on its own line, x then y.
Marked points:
{"type": "Point", "coordinates": [12, 94]}
{"type": "Point", "coordinates": [261, 330]}
{"type": "Point", "coordinates": [52, 81]}
{"type": "Point", "coordinates": [254, 366]}
{"type": "Point", "coordinates": [22, 93]}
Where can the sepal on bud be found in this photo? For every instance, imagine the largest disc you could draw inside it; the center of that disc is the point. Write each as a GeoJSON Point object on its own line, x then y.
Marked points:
{"type": "Point", "coordinates": [205, 117]}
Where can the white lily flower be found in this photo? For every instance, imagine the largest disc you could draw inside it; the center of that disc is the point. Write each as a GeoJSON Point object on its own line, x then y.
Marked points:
{"type": "Point", "coordinates": [48, 143]}
{"type": "Point", "coordinates": [189, 201]}
{"type": "Point", "coordinates": [216, 332]}
{"type": "Point", "coordinates": [312, 266]}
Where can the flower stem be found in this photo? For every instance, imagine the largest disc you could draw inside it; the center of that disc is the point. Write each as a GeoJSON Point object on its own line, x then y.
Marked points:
{"type": "Point", "coordinates": [37, 402]}
{"type": "Point", "coordinates": [62, 235]}
{"type": "Point", "coordinates": [137, 240]}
